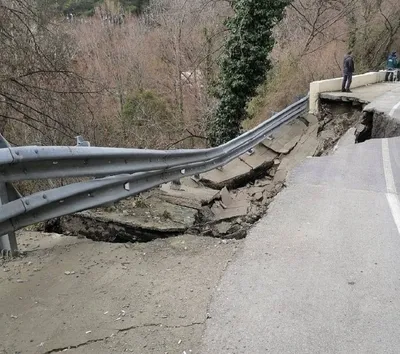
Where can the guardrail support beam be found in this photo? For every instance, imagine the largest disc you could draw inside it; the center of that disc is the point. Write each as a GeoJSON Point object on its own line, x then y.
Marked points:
{"type": "Point", "coordinates": [8, 242]}
{"type": "Point", "coordinates": [120, 173]}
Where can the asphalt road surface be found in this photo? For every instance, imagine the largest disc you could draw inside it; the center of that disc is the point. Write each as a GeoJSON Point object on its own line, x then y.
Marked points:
{"type": "Point", "coordinates": [321, 272]}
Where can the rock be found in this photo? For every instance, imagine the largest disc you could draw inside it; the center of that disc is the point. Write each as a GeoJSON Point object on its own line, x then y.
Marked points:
{"type": "Point", "coordinates": [252, 191]}
{"type": "Point", "coordinates": [263, 182]}
{"type": "Point", "coordinates": [226, 197]}
{"type": "Point", "coordinates": [258, 197]}
{"type": "Point", "coordinates": [223, 227]}
{"type": "Point", "coordinates": [208, 232]}
{"type": "Point", "coordinates": [231, 212]}
{"type": "Point", "coordinates": [251, 218]}
{"type": "Point", "coordinates": [238, 235]}
{"type": "Point", "coordinates": [231, 206]}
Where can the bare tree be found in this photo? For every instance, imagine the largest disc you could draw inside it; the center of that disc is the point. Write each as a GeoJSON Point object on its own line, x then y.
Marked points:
{"type": "Point", "coordinates": [190, 36]}
{"type": "Point", "coordinates": [316, 23]}
{"type": "Point", "coordinates": [39, 93]}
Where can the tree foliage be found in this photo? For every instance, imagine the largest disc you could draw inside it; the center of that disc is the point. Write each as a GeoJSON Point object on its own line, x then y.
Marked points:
{"type": "Point", "coordinates": [244, 64]}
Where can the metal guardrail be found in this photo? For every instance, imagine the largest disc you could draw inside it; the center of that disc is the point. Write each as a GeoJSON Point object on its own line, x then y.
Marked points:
{"type": "Point", "coordinates": [122, 172]}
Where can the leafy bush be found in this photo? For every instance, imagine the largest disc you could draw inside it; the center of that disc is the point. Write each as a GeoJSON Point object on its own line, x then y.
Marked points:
{"type": "Point", "coordinates": [244, 64]}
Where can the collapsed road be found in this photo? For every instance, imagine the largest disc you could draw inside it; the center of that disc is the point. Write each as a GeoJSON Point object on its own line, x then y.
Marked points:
{"type": "Point", "coordinates": [320, 272]}
{"type": "Point", "coordinates": [197, 294]}
{"type": "Point", "coordinates": [222, 203]}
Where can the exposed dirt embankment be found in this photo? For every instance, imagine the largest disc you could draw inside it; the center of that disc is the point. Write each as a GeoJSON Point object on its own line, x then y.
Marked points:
{"type": "Point", "coordinates": [378, 125]}
{"type": "Point", "coordinates": [338, 116]}
{"type": "Point", "coordinates": [335, 119]}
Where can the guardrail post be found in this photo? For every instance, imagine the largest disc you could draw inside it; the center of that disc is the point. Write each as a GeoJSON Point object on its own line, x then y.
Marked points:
{"type": "Point", "coordinates": [8, 242]}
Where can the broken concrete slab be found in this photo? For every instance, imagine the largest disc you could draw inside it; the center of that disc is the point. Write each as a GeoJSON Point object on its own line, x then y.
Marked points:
{"type": "Point", "coordinates": [131, 221]}
{"type": "Point", "coordinates": [260, 157]}
{"type": "Point", "coordinates": [257, 197]}
{"type": "Point", "coordinates": [221, 213]}
{"type": "Point", "coordinates": [197, 193]}
{"type": "Point", "coordinates": [226, 197]}
{"type": "Point", "coordinates": [309, 119]}
{"type": "Point", "coordinates": [226, 176]}
{"type": "Point", "coordinates": [240, 171]}
{"type": "Point", "coordinates": [156, 214]}
{"type": "Point", "coordinates": [306, 146]}
{"type": "Point", "coordinates": [286, 137]}
{"type": "Point", "coordinates": [231, 206]}
{"type": "Point", "coordinates": [182, 201]}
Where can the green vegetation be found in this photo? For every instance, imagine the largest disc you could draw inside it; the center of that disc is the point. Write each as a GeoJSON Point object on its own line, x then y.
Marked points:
{"type": "Point", "coordinates": [144, 107]}
{"type": "Point", "coordinates": [134, 6]}
{"type": "Point", "coordinates": [244, 64]}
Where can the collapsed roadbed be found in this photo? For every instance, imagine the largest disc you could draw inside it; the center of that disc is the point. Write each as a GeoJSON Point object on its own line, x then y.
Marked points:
{"type": "Point", "coordinates": [222, 203]}
{"type": "Point", "coordinates": [378, 108]}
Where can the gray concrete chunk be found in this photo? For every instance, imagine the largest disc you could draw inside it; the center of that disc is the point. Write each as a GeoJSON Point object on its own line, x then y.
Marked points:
{"type": "Point", "coordinates": [286, 137]}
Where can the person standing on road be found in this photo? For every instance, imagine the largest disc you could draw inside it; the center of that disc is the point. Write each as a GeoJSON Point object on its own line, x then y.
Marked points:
{"type": "Point", "coordinates": [348, 70]}
{"type": "Point", "coordinates": [391, 66]}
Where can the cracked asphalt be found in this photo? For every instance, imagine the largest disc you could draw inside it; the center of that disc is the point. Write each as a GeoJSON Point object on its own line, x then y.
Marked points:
{"type": "Point", "coordinates": [320, 272]}
{"type": "Point", "coordinates": [78, 296]}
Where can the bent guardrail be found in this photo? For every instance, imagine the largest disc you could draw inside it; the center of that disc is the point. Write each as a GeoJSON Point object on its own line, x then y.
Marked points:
{"type": "Point", "coordinates": [123, 172]}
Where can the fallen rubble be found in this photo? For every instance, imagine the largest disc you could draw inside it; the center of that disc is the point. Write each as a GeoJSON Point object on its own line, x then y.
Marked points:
{"type": "Point", "coordinates": [222, 203]}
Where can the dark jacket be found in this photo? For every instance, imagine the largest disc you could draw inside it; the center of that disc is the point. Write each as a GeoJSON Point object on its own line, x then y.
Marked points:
{"type": "Point", "coordinates": [348, 65]}
{"type": "Point", "coordinates": [392, 61]}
